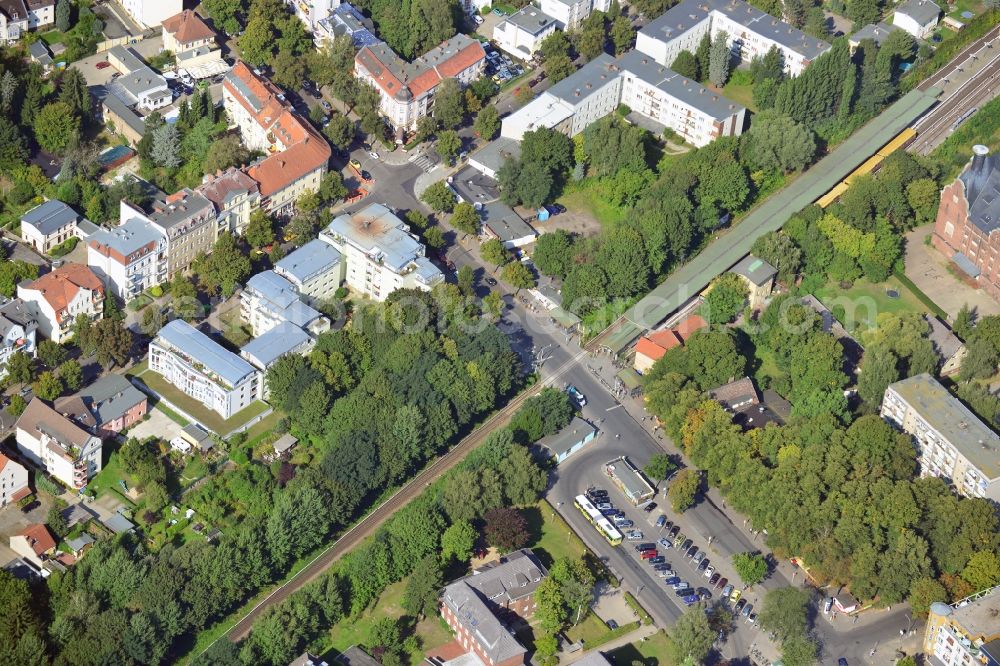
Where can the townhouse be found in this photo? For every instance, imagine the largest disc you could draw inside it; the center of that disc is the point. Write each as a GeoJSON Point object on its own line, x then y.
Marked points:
{"type": "Point", "coordinates": [54, 443]}
{"type": "Point", "coordinates": [129, 258]}
{"type": "Point", "coordinates": [571, 13]}
{"type": "Point", "coordinates": [18, 326]}
{"type": "Point", "coordinates": [106, 407]}
{"type": "Point", "coordinates": [406, 90]}
{"type": "Point", "coordinates": [63, 295]}
{"type": "Point", "coordinates": [235, 197]}
{"type": "Point", "coordinates": [19, 16]}
{"type": "Point", "coordinates": [187, 221]}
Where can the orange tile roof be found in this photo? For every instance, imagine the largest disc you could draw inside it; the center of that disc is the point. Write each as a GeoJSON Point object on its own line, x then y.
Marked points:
{"type": "Point", "coordinates": [689, 325]}
{"type": "Point", "coordinates": [4, 460]}
{"type": "Point", "coordinates": [462, 60]}
{"type": "Point", "coordinates": [187, 27]}
{"type": "Point", "coordinates": [39, 538]}
{"type": "Point", "coordinates": [60, 287]}
{"type": "Point", "coordinates": [280, 170]}
{"type": "Point", "coordinates": [655, 345]}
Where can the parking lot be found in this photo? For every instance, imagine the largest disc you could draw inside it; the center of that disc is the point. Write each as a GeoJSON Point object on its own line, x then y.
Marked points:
{"type": "Point", "coordinates": [501, 67]}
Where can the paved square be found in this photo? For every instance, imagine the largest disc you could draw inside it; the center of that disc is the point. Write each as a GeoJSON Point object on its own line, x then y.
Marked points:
{"type": "Point", "coordinates": [928, 269]}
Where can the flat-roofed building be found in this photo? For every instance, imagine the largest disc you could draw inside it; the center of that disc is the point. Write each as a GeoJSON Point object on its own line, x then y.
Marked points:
{"type": "Point", "coordinates": [57, 445]}
{"type": "Point", "coordinates": [130, 258]}
{"type": "Point", "coordinates": [151, 13]}
{"type": "Point", "coordinates": [952, 443]}
{"type": "Point", "coordinates": [965, 632]}
{"type": "Point", "coordinates": [203, 369]}
{"type": "Point", "coordinates": [630, 480]}
{"type": "Point", "coordinates": [265, 350]}
{"type": "Point", "coordinates": [522, 33]}
{"type": "Point", "coordinates": [569, 440]}
{"type": "Point", "coordinates": [500, 221]}
{"type": "Point", "coordinates": [571, 13]}
{"type": "Point", "coordinates": [269, 300]}
{"type": "Point", "coordinates": [314, 270]}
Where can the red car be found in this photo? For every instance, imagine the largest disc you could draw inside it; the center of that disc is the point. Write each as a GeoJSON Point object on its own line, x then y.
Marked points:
{"type": "Point", "coordinates": [103, 64]}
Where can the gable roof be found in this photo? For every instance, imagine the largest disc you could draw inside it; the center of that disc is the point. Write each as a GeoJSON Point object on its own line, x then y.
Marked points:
{"type": "Point", "coordinates": [107, 399]}
{"type": "Point", "coordinates": [38, 419]}
{"type": "Point", "coordinates": [405, 81]}
{"type": "Point", "coordinates": [14, 10]}
{"type": "Point", "coordinates": [4, 461]}
{"type": "Point", "coordinates": [61, 286]}
{"type": "Point", "coordinates": [981, 179]}
{"type": "Point", "coordinates": [39, 538]}
{"type": "Point", "coordinates": [921, 11]}
{"type": "Point", "coordinates": [50, 216]}
{"type": "Point", "coordinates": [187, 27]}
{"type": "Point", "coordinates": [689, 326]}
{"type": "Point", "coordinates": [656, 344]}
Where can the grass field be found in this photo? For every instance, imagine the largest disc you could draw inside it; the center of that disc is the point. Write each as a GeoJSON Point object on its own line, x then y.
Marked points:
{"type": "Point", "coordinates": [553, 538]}
{"type": "Point", "coordinates": [107, 479]}
{"type": "Point", "coordinates": [650, 652]}
{"type": "Point", "coordinates": [741, 94]}
{"type": "Point", "coordinates": [212, 420]}
{"type": "Point", "coordinates": [858, 307]}
{"type": "Point", "coordinates": [584, 196]}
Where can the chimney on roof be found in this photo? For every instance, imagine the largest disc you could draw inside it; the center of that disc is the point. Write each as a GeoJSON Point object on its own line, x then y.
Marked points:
{"type": "Point", "coordinates": [979, 155]}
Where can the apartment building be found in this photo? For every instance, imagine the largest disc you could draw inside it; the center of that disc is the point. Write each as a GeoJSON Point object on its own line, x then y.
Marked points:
{"type": "Point", "coordinates": [751, 33]}
{"type": "Point", "coordinates": [106, 407]}
{"type": "Point", "coordinates": [635, 79]}
{"type": "Point", "coordinates": [479, 607]}
{"type": "Point", "coordinates": [297, 155]}
{"type": "Point", "coordinates": [952, 443]}
{"type": "Point", "coordinates": [187, 220]}
{"type": "Point", "coordinates": [967, 229]}
{"type": "Point", "coordinates": [522, 33]}
{"type": "Point", "coordinates": [204, 370]}
{"type": "Point", "coordinates": [406, 90]}
{"type": "Point", "coordinates": [57, 445]}
{"type": "Point", "coordinates": [19, 16]}
{"type": "Point", "coordinates": [235, 197]}
{"type": "Point", "coordinates": [186, 31]}
{"type": "Point", "coordinates": [13, 481]}
{"type": "Point", "coordinates": [151, 13]}
{"type": "Point", "coordinates": [571, 13]}
{"type": "Point", "coordinates": [129, 258]}
{"type": "Point", "coordinates": [53, 223]}
{"type": "Point", "coordinates": [63, 295]}
{"type": "Point", "coordinates": [265, 350]}
{"type": "Point", "coordinates": [966, 632]}
{"type": "Point", "coordinates": [346, 20]}
{"type": "Point", "coordinates": [379, 254]}
{"type": "Point", "coordinates": [18, 325]}
{"type": "Point", "coordinates": [268, 300]}
{"type": "Point", "coordinates": [314, 270]}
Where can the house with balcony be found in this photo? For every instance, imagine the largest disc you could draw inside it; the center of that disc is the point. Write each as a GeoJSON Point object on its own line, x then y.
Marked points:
{"type": "Point", "coordinates": [55, 444]}
{"type": "Point", "coordinates": [235, 197]}
{"type": "Point", "coordinates": [63, 295]}
{"type": "Point", "coordinates": [203, 369]}
{"type": "Point", "coordinates": [106, 407]}
{"type": "Point", "coordinates": [268, 300]}
{"type": "Point", "coordinates": [18, 326]}
{"type": "Point", "coordinates": [187, 221]}
{"type": "Point", "coordinates": [964, 632]}
{"type": "Point", "coordinates": [130, 258]}
{"type": "Point", "coordinates": [314, 270]}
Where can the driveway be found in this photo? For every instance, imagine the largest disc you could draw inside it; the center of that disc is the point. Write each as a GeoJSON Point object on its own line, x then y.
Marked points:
{"type": "Point", "coordinates": [12, 521]}
{"type": "Point", "coordinates": [929, 271]}
{"type": "Point", "coordinates": [157, 425]}
{"type": "Point", "coordinates": [610, 604]}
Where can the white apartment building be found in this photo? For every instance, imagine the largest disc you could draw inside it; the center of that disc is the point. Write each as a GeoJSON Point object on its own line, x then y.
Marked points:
{"type": "Point", "coordinates": [965, 633]}
{"type": "Point", "coordinates": [751, 33]}
{"type": "Point", "coordinates": [650, 89]}
{"type": "Point", "coordinates": [186, 219]}
{"type": "Point", "coordinates": [129, 258]}
{"type": "Point", "coordinates": [18, 326]}
{"type": "Point", "coordinates": [203, 369]}
{"type": "Point", "coordinates": [150, 13]}
{"type": "Point", "coordinates": [311, 12]}
{"type": "Point", "coordinates": [379, 255]}
{"type": "Point", "coordinates": [522, 33]}
{"type": "Point", "coordinates": [571, 13]}
{"type": "Point", "coordinates": [406, 90]}
{"type": "Point", "coordinates": [13, 481]}
{"type": "Point", "coordinates": [314, 270]}
{"type": "Point", "coordinates": [56, 444]}
{"type": "Point", "coordinates": [952, 443]}
{"type": "Point", "coordinates": [268, 300]}
{"type": "Point", "coordinates": [63, 295]}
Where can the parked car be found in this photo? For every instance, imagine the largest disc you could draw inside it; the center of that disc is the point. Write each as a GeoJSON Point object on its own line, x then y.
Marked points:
{"type": "Point", "coordinates": [683, 585]}
{"type": "Point", "coordinates": [356, 164]}
{"type": "Point", "coordinates": [828, 604]}
{"type": "Point", "coordinates": [699, 555]}
{"type": "Point", "coordinates": [690, 599]}
{"type": "Point", "coordinates": [691, 552]}
{"type": "Point", "coordinates": [661, 521]}
{"type": "Point", "coordinates": [714, 579]}
{"type": "Point", "coordinates": [659, 559]}
{"type": "Point", "coordinates": [605, 505]}
{"type": "Point", "coordinates": [490, 281]}
{"type": "Point", "coordinates": [634, 535]}
{"type": "Point", "coordinates": [103, 64]}
{"type": "Point", "coordinates": [721, 583]}
{"type": "Point", "coordinates": [373, 155]}
{"type": "Point", "coordinates": [735, 596]}
{"type": "Point", "coordinates": [666, 572]}
{"type": "Point", "coordinates": [752, 619]}
{"type": "Point", "coordinates": [645, 546]}
{"type": "Point", "coordinates": [478, 19]}
{"type": "Point", "coordinates": [579, 398]}
{"type": "Point", "coordinates": [623, 523]}
{"type": "Point", "coordinates": [326, 105]}
{"type": "Point", "coordinates": [704, 593]}
{"type": "Point", "coordinates": [648, 554]}
{"type": "Point", "coordinates": [674, 531]}
{"type": "Point", "coordinates": [672, 580]}
{"type": "Point", "coordinates": [665, 543]}
{"type": "Point", "coordinates": [740, 605]}
{"type": "Point", "coordinates": [726, 591]}
{"type": "Point", "coordinates": [683, 547]}
{"type": "Point", "coordinates": [703, 565]}
{"type": "Point", "coordinates": [747, 610]}
{"type": "Point", "coordinates": [649, 507]}
{"type": "Point", "coordinates": [709, 571]}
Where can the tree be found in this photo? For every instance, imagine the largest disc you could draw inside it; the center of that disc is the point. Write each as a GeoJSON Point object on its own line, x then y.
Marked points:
{"type": "Point", "coordinates": [981, 359]}
{"type": "Point", "coordinates": [751, 567]}
{"type": "Point", "coordinates": [114, 342]}
{"type": "Point", "coordinates": [684, 489]}
{"type": "Point", "coordinates": [527, 183]}
{"type": "Point", "coordinates": [13, 153]}
{"type": "Point", "coordinates": [622, 34]}
{"type": "Point", "coordinates": [487, 122]}
{"type": "Point", "coordinates": [227, 266]}
{"type": "Point", "coordinates": [779, 143]}
{"type": "Point", "coordinates": [494, 252]}
{"type": "Point", "coordinates": [557, 68]}
{"type": "Point", "coordinates": [439, 197]}
{"type": "Point", "coordinates": [879, 368]}
{"type": "Point", "coordinates": [923, 196]}
{"type": "Point", "coordinates": [17, 405]}
{"type": "Point", "coordinates": [777, 249]}
{"type": "Point", "coordinates": [224, 153]}
{"type": "Point", "coordinates": [332, 188]}
{"type": "Point", "coordinates": [982, 570]}
{"type": "Point", "coordinates": [458, 541]}
{"type": "Point", "coordinates": [518, 276]}
{"type": "Point", "coordinates": [465, 218]}
{"type": "Point", "coordinates": [963, 322]}
{"type": "Point", "coordinates": [448, 145]}
{"type": "Point", "coordinates": [691, 636]}
{"type": "Point", "coordinates": [340, 131]}
{"type": "Point", "coordinates": [56, 127]}
{"type": "Point", "coordinates": [590, 39]}
{"type": "Point", "coordinates": [553, 253]}
{"type": "Point", "coordinates": [785, 611]}
{"type": "Point", "coordinates": [703, 54]}
{"type": "Point", "coordinates": [19, 368]}
{"type": "Point", "coordinates": [260, 229]}
{"type": "Point", "coordinates": [551, 612]}
{"type": "Point", "coordinates": [71, 374]}
{"type": "Point", "coordinates": [63, 16]}
{"type": "Point", "coordinates": [576, 584]}
{"type": "Point", "coordinates": [288, 70]}
{"type": "Point", "coordinates": [73, 93]}
{"type": "Point", "coordinates": [421, 594]}
{"type": "Point", "coordinates": [47, 386]}
{"type": "Point", "coordinates": [799, 651]}
{"type": "Point", "coordinates": [434, 237]}
{"type": "Point", "coordinates": [506, 529]}
{"type": "Point", "coordinates": [686, 65]}
{"type": "Point", "coordinates": [257, 42]}
{"type": "Point", "coordinates": [50, 353]}
{"type": "Point", "coordinates": [166, 146]}
{"type": "Point", "coordinates": [493, 304]}
{"type": "Point", "coordinates": [923, 593]}
{"type": "Point", "coordinates": [863, 12]}
{"type": "Point", "coordinates": [726, 300]}
{"type": "Point", "coordinates": [718, 60]}
{"type": "Point", "coordinates": [555, 44]}
{"type": "Point", "coordinates": [449, 104]}
{"type": "Point", "coordinates": [659, 467]}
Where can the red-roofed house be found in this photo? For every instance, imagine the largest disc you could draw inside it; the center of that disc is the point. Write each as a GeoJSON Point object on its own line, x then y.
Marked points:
{"type": "Point", "coordinates": [186, 31]}
{"type": "Point", "coordinates": [297, 154]}
{"type": "Point", "coordinates": [13, 481]}
{"type": "Point", "coordinates": [687, 327]}
{"type": "Point", "coordinates": [652, 347]}
{"type": "Point", "coordinates": [407, 89]}
{"type": "Point", "coordinates": [34, 543]}
{"type": "Point", "coordinates": [63, 295]}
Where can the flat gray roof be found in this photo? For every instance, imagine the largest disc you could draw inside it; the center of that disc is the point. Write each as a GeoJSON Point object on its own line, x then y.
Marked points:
{"type": "Point", "coordinates": [178, 208]}
{"type": "Point", "coordinates": [756, 270]}
{"type": "Point", "coordinates": [574, 433]}
{"type": "Point", "coordinates": [283, 299]}
{"type": "Point", "coordinates": [532, 20]}
{"type": "Point", "coordinates": [956, 422]}
{"type": "Point", "coordinates": [631, 479]}
{"type": "Point", "coordinates": [217, 359]}
{"type": "Point", "coordinates": [50, 216]}
{"type": "Point", "coordinates": [128, 57]}
{"type": "Point", "coordinates": [585, 81]}
{"type": "Point", "coordinates": [284, 338]}
{"type": "Point", "coordinates": [690, 92]}
{"type": "Point", "coordinates": [496, 152]}
{"type": "Point", "coordinates": [311, 259]}
{"type": "Point", "coordinates": [504, 222]}
{"type": "Point", "coordinates": [136, 122]}
{"type": "Point", "coordinates": [376, 231]}
{"type": "Point", "coordinates": [129, 237]}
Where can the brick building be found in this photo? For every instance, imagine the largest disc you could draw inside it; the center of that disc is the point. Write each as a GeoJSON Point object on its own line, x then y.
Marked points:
{"type": "Point", "coordinates": [967, 229]}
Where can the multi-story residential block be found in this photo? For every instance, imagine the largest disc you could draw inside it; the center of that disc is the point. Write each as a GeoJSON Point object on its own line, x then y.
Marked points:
{"type": "Point", "coordinates": [63, 295]}
{"type": "Point", "coordinates": [106, 407]}
{"type": "Point", "coordinates": [265, 350]}
{"type": "Point", "coordinates": [751, 33]}
{"type": "Point", "coordinates": [297, 154]}
{"type": "Point", "coordinates": [235, 196]}
{"type": "Point", "coordinates": [649, 89]}
{"type": "Point", "coordinates": [52, 223]}
{"type": "Point", "coordinates": [186, 219]}
{"type": "Point", "coordinates": [345, 20]}
{"type": "Point", "coordinates": [314, 270]}
{"type": "Point", "coordinates": [379, 255]}
{"type": "Point", "coordinates": [571, 13]}
{"type": "Point", "coordinates": [41, 13]}
{"type": "Point", "coordinates": [151, 13]}
{"type": "Point", "coordinates": [311, 12]}
{"type": "Point", "coordinates": [966, 632]}
{"type": "Point", "coordinates": [917, 17]}
{"type": "Point", "coordinates": [186, 31]}
{"type": "Point", "coordinates": [478, 606]}
{"type": "Point", "coordinates": [952, 443]}
{"type": "Point", "coordinates": [967, 229]}
{"type": "Point", "coordinates": [522, 33]}
{"type": "Point", "coordinates": [13, 481]}
{"type": "Point", "coordinates": [18, 325]}
{"type": "Point", "coordinates": [57, 445]}
{"type": "Point", "coordinates": [203, 369]}
{"type": "Point", "coordinates": [19, 16]}
{"type": "Point", "coordinates": [406, 90]}
{"type": "Point", "coordinates": [269, 299]}
{"type": "Point", "coordinates": [129, 258]}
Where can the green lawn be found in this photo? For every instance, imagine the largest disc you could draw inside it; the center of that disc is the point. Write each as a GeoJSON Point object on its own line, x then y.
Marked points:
{"type": "Point", "coordinates": [53, 37]}
{"type": "Point", "coordinates": [651, 652]}
{"type": "Point", "coordinates": [107, 479]}
{"type": "Point", "coordinates": [210, 419]}
{"type": "Point", "coordinates": [584, 196]}
{"type": "Point", "coordinates": [262, 428]}
{"type": "Point", "coordinates": [741, 94]}
{"type": "Point", "coordinates": [553, 538]}
{"type": "Point", "coordinates": [974, 6]}
{"type": "Point", "coordinates": [858, 307]}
